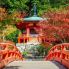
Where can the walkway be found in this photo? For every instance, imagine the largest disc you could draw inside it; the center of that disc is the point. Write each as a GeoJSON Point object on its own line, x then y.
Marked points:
{"type": "Point", "coordinates": [34, 65]}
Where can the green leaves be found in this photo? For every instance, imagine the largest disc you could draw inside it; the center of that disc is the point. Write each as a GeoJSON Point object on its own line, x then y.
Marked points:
{"type": "Point", "coordinates": [26, 5]}
{"type": "Point", "coordinates": [13, 36]}
{"type": "Point", "coordinates": [12, 5]}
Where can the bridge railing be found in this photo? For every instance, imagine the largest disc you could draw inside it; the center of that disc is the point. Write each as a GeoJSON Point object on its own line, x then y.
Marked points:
{"type": "Point", "coordinates": [59, 53]}
{"type": "Point", "coordinates": [8, 53]}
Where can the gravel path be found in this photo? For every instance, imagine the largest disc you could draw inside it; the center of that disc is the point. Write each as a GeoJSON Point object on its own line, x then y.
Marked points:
{"type": "Point", "coordinates": [34, 65]}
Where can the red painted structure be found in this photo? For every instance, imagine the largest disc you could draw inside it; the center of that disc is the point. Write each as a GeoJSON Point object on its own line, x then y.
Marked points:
{"type": "Point", "coordinates": [59, 53]}
{"type": "Point", "coordinates": [28, 28]}
{"type": "Point", "coordinates": [8, 53]}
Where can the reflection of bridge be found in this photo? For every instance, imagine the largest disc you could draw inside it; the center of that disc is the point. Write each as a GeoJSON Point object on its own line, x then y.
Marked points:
{"type": "Point", "coordinates": [9, 52]}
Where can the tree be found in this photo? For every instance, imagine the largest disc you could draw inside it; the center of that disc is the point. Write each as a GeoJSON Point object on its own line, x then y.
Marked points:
{"type": "Point", "coordinates": [9, 19]}
{"type": "Point", "coordinates": [26, 5]}
{"type": "Point", "coordinates": [56, 28]}
{"type": "Point", "coordinates": [12, 5]}
{"type": "Point", "coordinates": [13, 36]}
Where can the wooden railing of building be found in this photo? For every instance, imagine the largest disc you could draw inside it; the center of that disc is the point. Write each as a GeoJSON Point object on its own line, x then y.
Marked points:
{"type": "Point", "coordinates": [8, 53]}
{"type": "Point", "coordinates": [59, 53]}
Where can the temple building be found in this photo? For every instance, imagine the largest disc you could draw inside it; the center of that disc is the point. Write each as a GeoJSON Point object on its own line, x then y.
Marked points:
{"type": "Point", "coordinates": [29, 28]}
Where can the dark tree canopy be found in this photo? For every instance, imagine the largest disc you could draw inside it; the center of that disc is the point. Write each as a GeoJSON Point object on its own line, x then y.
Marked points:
{"type": "Point", "coordinates": [26, 5]}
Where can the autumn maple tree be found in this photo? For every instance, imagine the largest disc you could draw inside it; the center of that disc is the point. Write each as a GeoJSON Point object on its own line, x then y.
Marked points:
{"type": "Point", "coordinates": [56, 27]}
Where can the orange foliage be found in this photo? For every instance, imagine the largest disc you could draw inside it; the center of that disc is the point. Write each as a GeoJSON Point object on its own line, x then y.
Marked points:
{"type": "Point", "coordinates": [3, 14]}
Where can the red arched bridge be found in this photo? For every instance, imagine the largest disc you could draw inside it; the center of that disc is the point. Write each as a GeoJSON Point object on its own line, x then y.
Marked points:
{"type": "Point", "coordinates": [59, 53]}
{"type": "Point", "coordinates": [8, 53]}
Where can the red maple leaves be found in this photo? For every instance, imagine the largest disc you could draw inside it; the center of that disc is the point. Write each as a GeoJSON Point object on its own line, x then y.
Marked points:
{"type": "Point", "coordinates": [56, 28]}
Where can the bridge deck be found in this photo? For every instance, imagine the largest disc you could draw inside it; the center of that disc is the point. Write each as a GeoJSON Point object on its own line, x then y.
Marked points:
{"type": "Point", "coordinates": [34, 65]}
